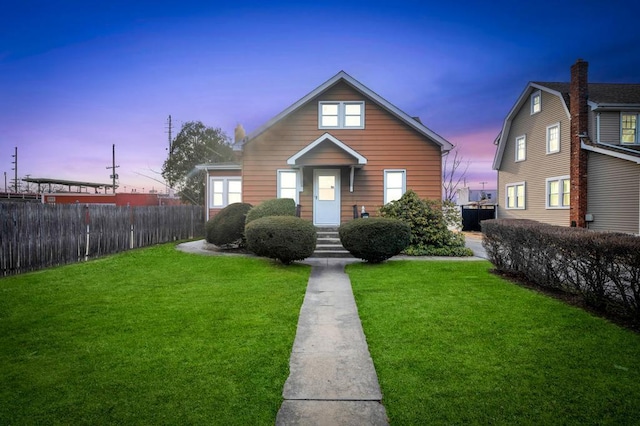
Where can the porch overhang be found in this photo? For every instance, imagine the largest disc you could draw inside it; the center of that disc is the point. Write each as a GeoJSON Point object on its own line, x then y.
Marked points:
{"type": "Point", "coordinates": [355, 160]}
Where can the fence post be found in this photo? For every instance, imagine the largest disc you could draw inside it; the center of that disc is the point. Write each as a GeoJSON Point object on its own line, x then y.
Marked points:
{"type": "Point", "coordinates": [86, 222]}
{"type": "Point", "coordinates": [131, 226]}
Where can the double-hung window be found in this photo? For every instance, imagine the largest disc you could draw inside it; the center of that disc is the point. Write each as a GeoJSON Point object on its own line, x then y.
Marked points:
{"type": "Point", "coordinates": [515, 195]}
{"type": "Point", "coordinates": [536, 102]}
{"type": "Point", "coordinates": [288, 184]}
{"type": "Point", "coordinates": [629, 128]}
{"type": "Point", "coordinates": [553, 138]}
{"type": "Point", "coordinates": [224, 191]}
{"type": "Point", "coordinates": [558, 192]}
{"type": "Point", "coordinates": [521, 148]}
{"type": "Point", "coordinates": [395, 184]}
{"type": "Point", "coordinates": [341, 115]}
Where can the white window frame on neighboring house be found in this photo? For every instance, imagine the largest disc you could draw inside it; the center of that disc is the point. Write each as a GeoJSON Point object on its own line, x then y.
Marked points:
{"type": "Point", "coordinates": [512, 192]}
{"type": "Point", "coordinates": [559, 198]}
{"type": "Point", "coordinates": [536, 106]}
{"type": "Point", "coordinates": [635, 117]}
{"type": "Point", "coordinates": [391, 186]}
{"type": "Point", "coordinates": [221, 191]}
{"type": "Point", "coordinates": [340, 115]}
{"type": "Point", "coordinates": [522, 139]}
{"type": "Point", "coordinates": [285, 191]}
{"type": "Point", "coordinates": [555, 149]}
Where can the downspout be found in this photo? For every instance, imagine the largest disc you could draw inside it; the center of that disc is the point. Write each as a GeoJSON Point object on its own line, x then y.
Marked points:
{"type": "Point", "coordinates": [598, 128]}
{"type": "Point", "coordinates": [351, 177]}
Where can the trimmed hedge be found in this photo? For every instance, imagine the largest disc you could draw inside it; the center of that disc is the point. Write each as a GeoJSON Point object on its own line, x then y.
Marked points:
{"type": "Point", "coordinates": [273, 207]}
{"type": "Point", "coordinates": [602, 267]}
{"type": "Point", "coordinates": [430, 235]}
{"type": "Point", "coordinates": [227, 227]}
{"type": "Point", "coordinates": [286, 238]}
{"type": "Point", "coordinates": [375, 239]}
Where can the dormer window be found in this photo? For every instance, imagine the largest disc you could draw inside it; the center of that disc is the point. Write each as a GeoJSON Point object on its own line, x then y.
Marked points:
{"type": "Point", "coordinates": [341, 115]}
{"type": "Point", "coordinates": [536, 102]}
{"type": "Point", "coordinates": [629, 128]}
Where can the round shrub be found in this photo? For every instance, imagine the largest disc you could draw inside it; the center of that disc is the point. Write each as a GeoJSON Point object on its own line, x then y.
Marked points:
{"type": "Point", "coordinates": [286, 238]}
{"type": "Point", "coordinates": [273, 207]}
{"type": "Point", "coordinates": [227, 227]}
{"type": "Point", "coordinates": [375, 239]}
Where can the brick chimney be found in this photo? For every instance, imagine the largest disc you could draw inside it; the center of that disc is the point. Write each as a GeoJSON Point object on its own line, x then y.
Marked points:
{"type": "Point", "coordinates": [578, 94]}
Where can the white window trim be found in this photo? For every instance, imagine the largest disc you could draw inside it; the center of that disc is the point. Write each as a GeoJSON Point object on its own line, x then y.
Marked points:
{"type": "Point", "coordinates": [404, 181]}
{"type": "Point", "coordinates": [298, 183]}
{"type": "Point", "coordinates": [524, 138]}
{"type": "Point", "coordinates": [637, 139]}
{"type": "Point", "coordinates": [506, 196]}
{"type": "Point", "coordinates": [558, 179]}
{"type": "Point", "coordinates": [548, 140]}
{"type": "Point", "coordinates": [225, 190]}
{"type": "Point", "coordinates": [535, 94]}
{"type": "Point", "coordinates": [341, 114]}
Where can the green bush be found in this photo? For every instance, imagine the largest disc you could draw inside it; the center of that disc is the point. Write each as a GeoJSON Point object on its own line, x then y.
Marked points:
{"type": "Point", "coordinates": [429, 233]}
{"type": "Point", "coordinates": [273, 207]}
{"type": "Point", "coordinates": [286, 238]}
{"type": "Point", "coordinates": [227, 227]}
{"type": "Point", "coordinates": [374, 239]}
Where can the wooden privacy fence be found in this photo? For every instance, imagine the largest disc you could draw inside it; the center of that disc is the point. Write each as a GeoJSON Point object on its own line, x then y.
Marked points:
{"type": "Point", "coordinates": [35, 236]}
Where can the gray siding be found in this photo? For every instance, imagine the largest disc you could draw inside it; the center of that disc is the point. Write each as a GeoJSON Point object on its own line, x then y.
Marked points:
{"type": "Point", "coordinates": [538, 165]}
{"type": "Point", "coordinates": [614, 194]}
{"type": "Point", "coordinates": [610, 127]}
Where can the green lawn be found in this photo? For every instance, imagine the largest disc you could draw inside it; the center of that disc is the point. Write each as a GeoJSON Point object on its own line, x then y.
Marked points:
{"type": "Point", "coordinates": [151, 336]}
{"type": "Point", "coordinates": [453, 344]}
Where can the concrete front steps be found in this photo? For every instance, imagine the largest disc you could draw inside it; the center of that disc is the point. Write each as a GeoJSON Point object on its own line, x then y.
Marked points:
{"type": "Point", "coordinates": [328, 244]}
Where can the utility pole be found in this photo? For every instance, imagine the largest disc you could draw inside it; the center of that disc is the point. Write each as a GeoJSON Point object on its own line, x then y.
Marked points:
{"type": "Point", "coordinates": [113, 167]}
{"type": "Point", "coordinates": [482, 183]}
{"type": "Point", "coordinates": [15, 169]}
{"type": "Point", "coordinates": [169, 128]}
{"type": "Point", "coordinates": [5, 181]}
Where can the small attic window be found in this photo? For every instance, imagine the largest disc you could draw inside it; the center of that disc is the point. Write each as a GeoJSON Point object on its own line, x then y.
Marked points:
{"type": "Point", "coordinates": [341, 115]}
{"type": "Point", "coordinates": [536, 102]}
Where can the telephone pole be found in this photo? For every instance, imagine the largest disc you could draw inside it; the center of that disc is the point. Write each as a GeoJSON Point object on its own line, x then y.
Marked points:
{"type": "Point", "coordinates": [15, 169]}
{"type": "Point", "coordinates": [113, 167]}
{"type": "Point", "coordinates": [169, 128]}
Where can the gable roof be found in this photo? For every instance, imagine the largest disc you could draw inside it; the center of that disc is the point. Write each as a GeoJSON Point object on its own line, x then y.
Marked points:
{"type": "Point", "coordinates": [361, 160]}
{"type": "Point", "coordinates": [602, 96]}
{"type": "Point", "coordinates": [552, 88]}
{"type": "Point", "coordinates": [344, 77]}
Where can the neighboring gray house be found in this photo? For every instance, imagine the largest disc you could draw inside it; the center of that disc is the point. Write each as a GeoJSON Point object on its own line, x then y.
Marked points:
{"type": "Point", "coordinates": [569, 155]}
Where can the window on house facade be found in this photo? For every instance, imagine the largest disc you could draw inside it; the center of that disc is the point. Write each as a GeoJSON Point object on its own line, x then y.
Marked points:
{"type": "Point", "coordinates": [515, 195]}
{"type": "Point", "coordinates": [395, 184]}
{"type": "Point", "coordinates": [341, 115]}
{"type": "Point", "coordinates": [536, 102]}
{"type": "Point", "coordinates": [288, 184]}
{"type": "Point", "coordinates": [629, 128]}
{"type": "Point", "coordinates": [553, 138]}
{"type": "Point", "coordinates": [558, 192]}
{"type": "Point", "coordinates": [521, 148]}
{"type": "Point", "coordinates": [224, 191]}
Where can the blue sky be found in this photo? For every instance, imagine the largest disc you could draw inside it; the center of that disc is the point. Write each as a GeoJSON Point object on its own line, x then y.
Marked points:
{"type": "Point", "coordinates": [77, 77]}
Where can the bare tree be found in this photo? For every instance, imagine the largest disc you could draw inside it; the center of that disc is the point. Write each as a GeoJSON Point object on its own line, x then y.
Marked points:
{"type": "Point", "coordinates": [454, 171]}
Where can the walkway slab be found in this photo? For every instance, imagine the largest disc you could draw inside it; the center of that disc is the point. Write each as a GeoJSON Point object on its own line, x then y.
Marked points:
{"type": "Point", "coordinates": [332, 378]}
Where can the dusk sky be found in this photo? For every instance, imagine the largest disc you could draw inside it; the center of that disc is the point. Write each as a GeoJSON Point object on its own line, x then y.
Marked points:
{"type": "Point", "coordinates": [79, 76]}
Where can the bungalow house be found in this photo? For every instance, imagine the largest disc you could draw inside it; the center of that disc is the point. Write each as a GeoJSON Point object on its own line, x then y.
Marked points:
{"type": "Point", "coordinates": [339, 150]}
{"type": "Point", "coordinates": [569, 155]}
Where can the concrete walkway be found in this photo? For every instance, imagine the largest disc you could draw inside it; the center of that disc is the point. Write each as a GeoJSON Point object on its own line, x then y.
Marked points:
{"type": "Point", "coordinates": [332, 380]}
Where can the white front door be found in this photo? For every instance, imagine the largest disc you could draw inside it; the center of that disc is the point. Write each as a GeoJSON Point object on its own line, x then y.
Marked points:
{"type": "Point", "coordinates": [326, 197]}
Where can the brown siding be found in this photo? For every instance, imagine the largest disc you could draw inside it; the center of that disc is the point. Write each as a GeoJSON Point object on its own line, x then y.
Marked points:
{"type": "Point", "coordinates": [538, 165]}
{"type": "Point", "coordinates": [614, 194]}
{"type": "Point", "coordinates": [386, 142]}
{"type": "Point", "coordinates": [326, 154]}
